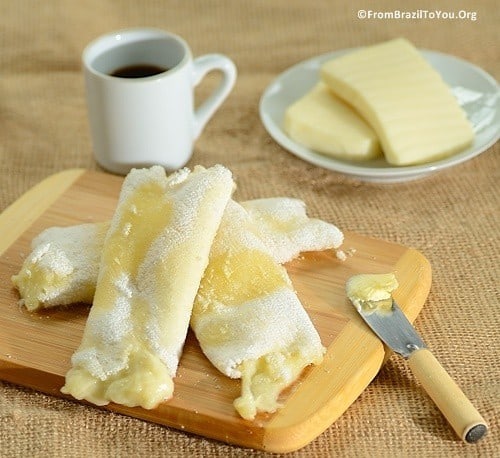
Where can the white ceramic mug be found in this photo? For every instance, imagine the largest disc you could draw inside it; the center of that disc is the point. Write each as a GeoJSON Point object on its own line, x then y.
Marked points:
{"type": "Point", "coordinates": [142, 121]}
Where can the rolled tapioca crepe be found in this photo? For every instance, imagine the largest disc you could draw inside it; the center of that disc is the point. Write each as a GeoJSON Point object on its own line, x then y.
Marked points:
{"type": "Point", "coordinates": [248, 319]}
{"type": "Point", "coordinates": [284, 227]}
{"type": "Point", "coordinates": [63, 266]}
{"type": "Point", "coordinates": [153, 258]}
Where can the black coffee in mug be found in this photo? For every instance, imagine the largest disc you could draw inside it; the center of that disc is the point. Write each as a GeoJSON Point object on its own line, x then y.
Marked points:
{"type": "Point", "coordinates": [144, 116]}
{"type": "Point", "coordinates": [138, 71]}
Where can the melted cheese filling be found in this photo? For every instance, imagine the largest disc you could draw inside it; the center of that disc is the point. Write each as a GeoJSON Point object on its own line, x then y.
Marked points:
{"type": "Point", "coordinates": [236, 277]}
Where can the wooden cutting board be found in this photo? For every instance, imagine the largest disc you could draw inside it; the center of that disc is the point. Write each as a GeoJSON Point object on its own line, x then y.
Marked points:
{"type": "Point", "coordinates": [35, 348]}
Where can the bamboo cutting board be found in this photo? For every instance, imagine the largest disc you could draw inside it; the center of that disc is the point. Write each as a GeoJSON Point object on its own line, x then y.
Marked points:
{"type": "Point", "coordinates": [35, 348]}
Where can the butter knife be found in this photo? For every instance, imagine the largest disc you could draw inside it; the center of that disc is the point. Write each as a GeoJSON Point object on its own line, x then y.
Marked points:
{"type": "Point", "coordinates": [390, 324]}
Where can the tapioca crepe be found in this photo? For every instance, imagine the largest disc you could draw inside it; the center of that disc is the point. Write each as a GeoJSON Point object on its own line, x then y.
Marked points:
{"type": "Point", "coordinates": [175, 243]}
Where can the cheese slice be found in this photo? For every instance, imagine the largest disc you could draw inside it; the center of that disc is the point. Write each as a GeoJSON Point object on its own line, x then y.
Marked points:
{"type": "Point", "coordinates": [325, 123]}
{"type": "Point", "coordinates": [247, 318]}
{"type": "Point", "coordinates": [153, 258]}
{"type": "Point", "coordinates": [405, 100]}
{"type": "Point", "coordinates": [63, 265]}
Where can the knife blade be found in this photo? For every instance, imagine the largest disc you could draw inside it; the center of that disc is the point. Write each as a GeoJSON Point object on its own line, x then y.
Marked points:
{"type": "Point", "coordinates": [390, 324]}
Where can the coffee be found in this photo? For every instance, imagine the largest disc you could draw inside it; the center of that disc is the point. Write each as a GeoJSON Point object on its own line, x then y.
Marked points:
{"type": "Point", "coordinates": [145, 114]}
{"type": "Point", "coordinates": [138, 71]}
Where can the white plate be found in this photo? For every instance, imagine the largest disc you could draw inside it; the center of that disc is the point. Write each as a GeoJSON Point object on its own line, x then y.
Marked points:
{"type": "Point", "coordinates": [476, 91]}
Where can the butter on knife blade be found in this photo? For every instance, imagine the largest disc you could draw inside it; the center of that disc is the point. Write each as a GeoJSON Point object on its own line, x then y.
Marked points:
{"type": "Point", "coordinates": [371, 294]}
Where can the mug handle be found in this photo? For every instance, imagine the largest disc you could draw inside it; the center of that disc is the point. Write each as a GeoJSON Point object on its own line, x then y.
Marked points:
{"type": "Point", "coordinates": [201, 66]}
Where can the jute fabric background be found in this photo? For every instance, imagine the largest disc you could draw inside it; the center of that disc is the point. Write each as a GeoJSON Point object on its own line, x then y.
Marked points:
{"type": "Point", "coordinates": [452, 217]}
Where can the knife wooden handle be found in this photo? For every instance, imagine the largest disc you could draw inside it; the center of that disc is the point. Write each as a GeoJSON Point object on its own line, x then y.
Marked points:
{"type": "Point", "coordinates": [451, 401]}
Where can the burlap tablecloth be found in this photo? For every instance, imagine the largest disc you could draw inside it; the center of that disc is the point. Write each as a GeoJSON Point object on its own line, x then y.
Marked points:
{"type": "Point", "coordinates": [452, 217]}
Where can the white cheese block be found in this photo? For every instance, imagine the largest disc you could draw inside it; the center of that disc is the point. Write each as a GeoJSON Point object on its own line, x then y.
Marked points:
{"type": "Point", "coordinates": [405, 100]}
{"type": "Point", "coordinates": [325, 123]}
